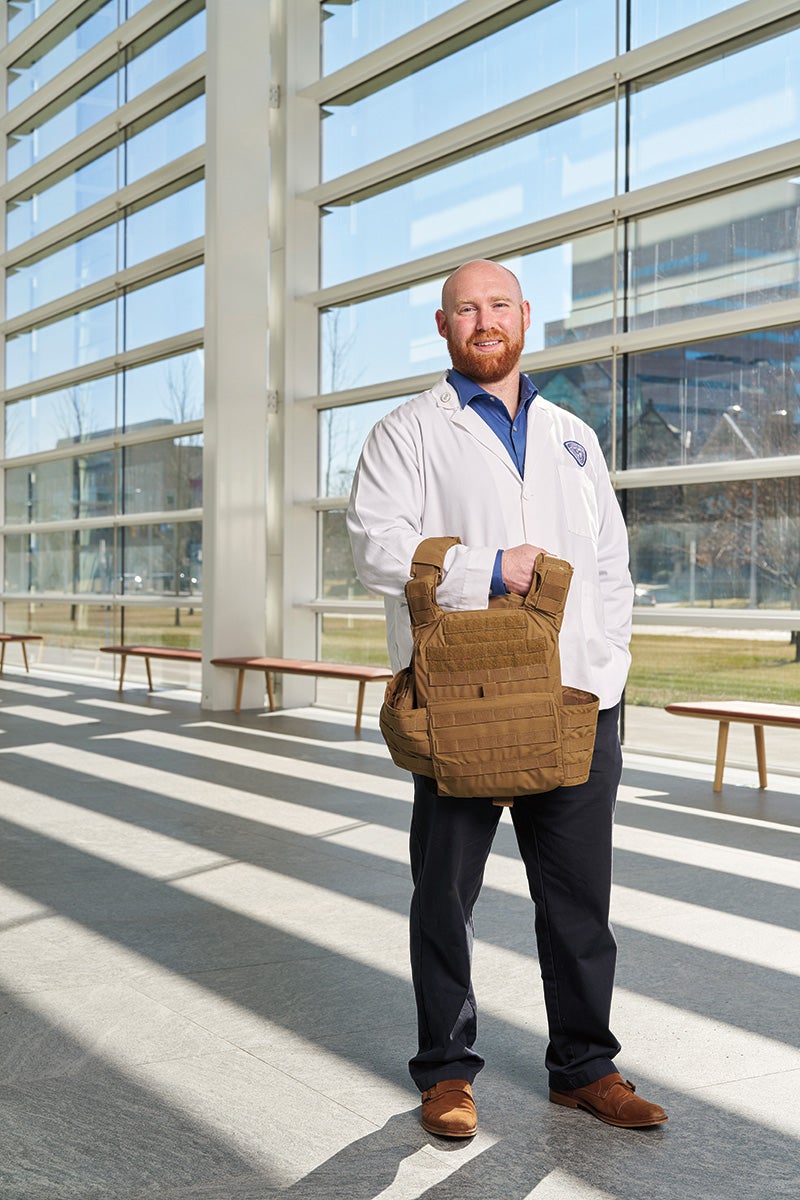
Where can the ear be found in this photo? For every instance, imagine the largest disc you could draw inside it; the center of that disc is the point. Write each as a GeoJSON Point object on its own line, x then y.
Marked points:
{"type": "Point", "coordinates": [441, 323]}
{"type": "Point", "coordinates": [526, 314]}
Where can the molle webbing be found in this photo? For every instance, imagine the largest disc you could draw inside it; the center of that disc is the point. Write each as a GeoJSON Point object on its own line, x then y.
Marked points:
{"type": "Point", "coordinates": [481, 708]}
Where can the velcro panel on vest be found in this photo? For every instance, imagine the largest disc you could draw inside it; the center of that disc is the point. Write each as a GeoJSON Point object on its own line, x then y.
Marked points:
{"type": "Point", "coordinates": [555, 575]}
{"type": "Point", "coordinates": [421, 598]}
{"type": "Point", "coordinates": [498, 746]}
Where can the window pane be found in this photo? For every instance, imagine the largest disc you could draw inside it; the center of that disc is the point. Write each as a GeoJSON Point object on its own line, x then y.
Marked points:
{"type": "Point", "coordinates": [394, 336]}
{"type": "Point", "coordinates": [159, 476]}
{"type": "Point", "coordinates": [157, 626]}
{"type": "Point", "coordinates": [350, 31]}
{"type": "Point", "coordinates": [65, 626]}
{"type": "Point", "coordinates": [546, 172]}
{"type": "Point", "coordinates": [158, 144]}
{"type": "Point", "coordinates": [79, 560]}
{"type": "Point", "coordinates": [22, 12]}
{"type": "Point", "coordinates": [734, 106]}
{"type": "Point", "coordinates": [531, 53]}
{"type": "Point", "coordinates": [161, 310]}
{"type": "Point", "coordinates": [732, 545]}
{"type": "Point", "coordinates": [62, 490]}
{"type": "Point", "coordinates": [339, 579]}
{"type": "Point", "coordinates": [34, 142]}
{"type": "Point", "coordinates": [161, 559]}
{"type": "Point", "coordinates": [341, 435]}
{"type": "Point", "coordinates": [352, 640]}
{"type": "Point", "coordinates": [166, 392]}
{"type": "Point", "coordinates": [148, 66]}
{"type": "Point", "coordinates": [148, 147]}
{"type": "Point", "coordinates": [55, 419]}
{"type": "Point", "coordinates": [73, 341]}
{"type": "Point", "coordinates": [651, 19]}
{"type": "Point", "coordinates": [707, 664]}
{"type": "Point", "coordinates": [734, 251]}
{"type": "Point", "coordinates": [585, 390]}
{"type": "Point", "coordinates": [55, 200]}
{"type": "Point", "coordinates": [177, 218]}
{"type": "Point", "coordinates": [736, 398]}
{"type": "Point", "coordinates": [69, 40]}
{"type": "Point", "coordinates": [65, 270]}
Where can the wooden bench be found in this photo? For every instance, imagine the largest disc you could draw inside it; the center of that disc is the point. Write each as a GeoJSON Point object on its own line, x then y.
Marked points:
{"type": "Point", "coordinates": [168, 653]}
{"type": "Point", "coordinates": [22, 638]}
{"type": "Point", "coordinates": [744, 712]}
{"type": "Point", "coordinates": [296, 666]}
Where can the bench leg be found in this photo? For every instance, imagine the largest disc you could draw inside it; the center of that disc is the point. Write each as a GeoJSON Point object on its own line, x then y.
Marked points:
{"type": "Point", "coordinates": [722, 746]}
{"type": "Point", "coordinates": [761, 755]}
{"type": "Point", "coordinates": [270, 692]}
{"type": "Point", "coordinates": [2, 656]}
{"type": "Point", "coordinates": [123, 658]}
{"type": "Point", "coordinates": [25, 657]}
{"type": "Point", "coordinates": [360, 705]}
{"type": "Point", "coordinates": [239, 689]}
{"type": "Point", "coordinates": [149, 676]}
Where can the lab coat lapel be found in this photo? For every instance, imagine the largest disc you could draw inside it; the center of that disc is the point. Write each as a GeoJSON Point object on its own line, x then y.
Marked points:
{"type": "Point", "coordinates": [475, 426]}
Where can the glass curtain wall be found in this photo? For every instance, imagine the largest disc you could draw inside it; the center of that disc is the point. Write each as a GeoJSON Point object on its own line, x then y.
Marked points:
{"type": "Point", "coordinates": [637, 166]}
{"type": "Point", "coordinates": [102, 402]}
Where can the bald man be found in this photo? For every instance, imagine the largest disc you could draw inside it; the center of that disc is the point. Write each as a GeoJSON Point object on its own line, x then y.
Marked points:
{"type": "Point", "coordinates": [483, 457]}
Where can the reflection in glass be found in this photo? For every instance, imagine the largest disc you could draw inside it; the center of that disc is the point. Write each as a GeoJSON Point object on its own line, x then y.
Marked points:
{"type": "Point", "coordinates": [65, 626]}
{"type": "Point", "coordinates": [341, 435]}
{"type": "Point", "coordinates": [65, 270]}
{"type": "Point", "coordinates": [159, 476]}
{"type": "Point", "coordinates": [586, 390]}
{"type": "Point", "coordinates": [148, 230]}
{"type": "Point", "coordinates": [735, 398]}
{"type": "Point", "coordinates": [67, 488]}
{"type": "Point", "coordinates": [151, 143]}
{"type": "Point", "coordinates": [151, 62]}
{"type": "Point", "coordinates": [71, 38]}
{"type": "Point", "coordinates": [529, 53]}
{"type": "Point", "coordinates": [734, 251]}
{"type": "Point", "coordinates": [163, 559]}
{"type": "Point", "coordinates": [556, 168]}
{"type": "Point", "coordinates": [76, 560]}
{"type": "Point", "coordinates": [394, 336]}
{"type": "Point", "coordinates": [169, 391]}
{"type": "Point", "coordinates": [160, 310]}
{"type": "Point", "coordinates": [34, 141]}
{"type": "Point", "coordinates": [53, 420]}
{"type": "Point", "coordinates": [650, 20]}
{"type": "Point", "coordinates": [350, 31]}
{"type": "Point", "coordinates": [736, 105]}
{"type": "Point", "coordinates": [73, 341]}
{"type": "Point", "coordinates": [171, 221]}
{"type": "Point", "coordinates": [736, 545]}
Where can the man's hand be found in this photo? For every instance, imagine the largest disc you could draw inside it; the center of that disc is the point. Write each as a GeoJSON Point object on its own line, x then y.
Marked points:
{"type": "Point", "coordinates": [518, 567]}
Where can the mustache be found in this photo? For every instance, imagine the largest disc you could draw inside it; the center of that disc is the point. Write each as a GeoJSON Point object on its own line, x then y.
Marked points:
{"type": "Point", "coordinates": [494, 334]}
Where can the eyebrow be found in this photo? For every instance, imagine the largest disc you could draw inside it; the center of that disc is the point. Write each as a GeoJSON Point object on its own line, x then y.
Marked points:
{"type": "Point", "coordinates": [470, 299]}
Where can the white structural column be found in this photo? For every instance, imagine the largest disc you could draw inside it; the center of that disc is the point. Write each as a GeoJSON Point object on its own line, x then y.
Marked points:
{"type": "Point", "coordinates": [236, 341]}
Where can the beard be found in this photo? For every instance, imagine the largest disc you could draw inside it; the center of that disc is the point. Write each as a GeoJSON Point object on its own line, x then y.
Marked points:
{"type": "Point", "coordinates": [487, 368]}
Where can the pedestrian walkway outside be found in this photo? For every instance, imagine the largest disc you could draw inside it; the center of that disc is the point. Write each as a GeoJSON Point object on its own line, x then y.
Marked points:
{"type": "Point", "coordinates": [205, 983]}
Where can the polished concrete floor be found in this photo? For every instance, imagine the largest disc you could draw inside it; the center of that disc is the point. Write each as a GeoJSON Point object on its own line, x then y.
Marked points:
{"type": "Point", "coordinates": [205, 986]}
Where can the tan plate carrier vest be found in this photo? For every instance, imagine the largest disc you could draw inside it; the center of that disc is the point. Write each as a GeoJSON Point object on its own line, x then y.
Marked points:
{"type": "Point", "coordinates": [481, 708]}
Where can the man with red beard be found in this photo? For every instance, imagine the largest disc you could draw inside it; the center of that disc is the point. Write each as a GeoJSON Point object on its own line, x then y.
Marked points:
{"type": "Point", "coordinates": [483, 457]}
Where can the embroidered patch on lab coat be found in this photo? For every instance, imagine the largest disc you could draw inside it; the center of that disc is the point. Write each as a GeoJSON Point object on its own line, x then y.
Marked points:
{"type": "Point", "coordinates": [577, 451]}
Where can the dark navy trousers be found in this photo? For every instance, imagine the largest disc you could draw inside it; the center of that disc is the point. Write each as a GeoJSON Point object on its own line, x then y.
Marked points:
{"type": "Point", "coordinates": [564, 838]}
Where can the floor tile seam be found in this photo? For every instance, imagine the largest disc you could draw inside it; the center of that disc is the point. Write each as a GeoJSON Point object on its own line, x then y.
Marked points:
{"type": "Point", "coordinates": [309, 1088]}
{"type": "Point", "coordinates": [786, 1073]}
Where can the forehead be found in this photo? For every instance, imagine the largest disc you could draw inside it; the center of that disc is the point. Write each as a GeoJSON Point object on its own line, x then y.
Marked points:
{"type": "Point", "coordinates": [482, 283]}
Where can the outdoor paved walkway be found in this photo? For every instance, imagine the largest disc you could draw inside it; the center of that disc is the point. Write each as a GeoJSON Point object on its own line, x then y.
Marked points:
{"type": "Point", "coordinates": [205, 986]}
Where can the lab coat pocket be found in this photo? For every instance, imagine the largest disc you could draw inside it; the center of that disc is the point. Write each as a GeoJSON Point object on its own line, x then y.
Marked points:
{"type": "Point", "coordinates": [579, 501]}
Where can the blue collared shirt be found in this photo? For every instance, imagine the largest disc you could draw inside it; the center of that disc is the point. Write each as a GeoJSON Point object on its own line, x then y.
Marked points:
{"type": "Point", "coordinates": [512, 433]}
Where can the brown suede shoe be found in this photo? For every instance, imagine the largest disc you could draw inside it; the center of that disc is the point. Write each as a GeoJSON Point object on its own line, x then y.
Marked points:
{"type": "Point", "coordinates": [612, 1099]}
{"type": "Point", "coordinates": [448, 1109]}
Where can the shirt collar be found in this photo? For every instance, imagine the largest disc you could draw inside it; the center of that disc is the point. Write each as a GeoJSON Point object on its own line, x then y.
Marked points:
{"type": "Point", "coordinates": [467, 390]}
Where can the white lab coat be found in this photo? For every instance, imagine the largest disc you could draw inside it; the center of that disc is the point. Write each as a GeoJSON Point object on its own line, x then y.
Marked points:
{"type": "Point", "coordinates": [431, 468]}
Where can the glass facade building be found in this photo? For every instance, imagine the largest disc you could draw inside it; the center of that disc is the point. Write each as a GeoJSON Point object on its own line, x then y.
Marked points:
{"type": "Point", "coordinates": [637, 164]}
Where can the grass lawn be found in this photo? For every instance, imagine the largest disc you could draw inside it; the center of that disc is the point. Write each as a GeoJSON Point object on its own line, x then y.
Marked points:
{"type": "Point", "coordinates": [695, 668]}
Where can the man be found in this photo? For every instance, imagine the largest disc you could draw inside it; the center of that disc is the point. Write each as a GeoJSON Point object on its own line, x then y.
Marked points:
{"type": "Point", "coordinates": [481, 456]}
